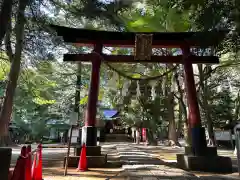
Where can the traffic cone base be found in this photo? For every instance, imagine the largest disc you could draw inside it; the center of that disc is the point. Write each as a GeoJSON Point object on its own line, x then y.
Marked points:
{"type": "Point", "coordinates": [82, 165]}
{"type": "Point", "coordinates": [82, 170]}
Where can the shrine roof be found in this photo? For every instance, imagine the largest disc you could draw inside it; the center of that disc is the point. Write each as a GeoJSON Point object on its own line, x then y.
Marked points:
{"type": "Point", "coordinates": [110, 113]}
{"type": "Point", "coordinates": [160, 39]}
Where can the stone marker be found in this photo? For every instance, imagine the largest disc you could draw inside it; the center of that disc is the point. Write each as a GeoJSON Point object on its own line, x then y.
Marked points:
{"type": "Point", "coordinates": [5, 154]}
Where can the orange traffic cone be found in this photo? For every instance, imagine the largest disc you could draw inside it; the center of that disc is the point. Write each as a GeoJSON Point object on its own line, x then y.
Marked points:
{"type": "Point", "coordinates": [82, 165]}
{"type": "Point", "coordinates": [38, 175]}
{"type": "Point", "coordinates": [28, 163]}
{"type": "Point", "coordinates": [20, 168]}
{"type": "Point", "coordinates": [33, 174]}
{"type": "Point", "coordinates": [18, 173]}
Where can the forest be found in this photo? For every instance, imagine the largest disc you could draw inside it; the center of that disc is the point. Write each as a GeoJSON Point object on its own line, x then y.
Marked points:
{"type": "Point", "coordinates": [36, 86]}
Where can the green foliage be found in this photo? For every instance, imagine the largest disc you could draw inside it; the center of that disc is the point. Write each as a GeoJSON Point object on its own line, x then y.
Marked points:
{"type": "Point", "coordinates": [223, 107]}
{"type": "Point", "coordinates": [84, 100]}
{"type": "Point", "coordinates": [46, 87]}
{"type": "Point", "coordinates": [4, 69]}
{"type": "Point", "coordinates": [4, 65]}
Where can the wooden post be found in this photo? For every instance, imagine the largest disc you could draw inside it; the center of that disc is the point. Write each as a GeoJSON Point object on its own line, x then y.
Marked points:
{"type": "Point", "coordinates": [68, 151]}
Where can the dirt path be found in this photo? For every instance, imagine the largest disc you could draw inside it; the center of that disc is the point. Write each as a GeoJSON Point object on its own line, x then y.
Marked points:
{"type": "Point", "coordinates": [139, 162]}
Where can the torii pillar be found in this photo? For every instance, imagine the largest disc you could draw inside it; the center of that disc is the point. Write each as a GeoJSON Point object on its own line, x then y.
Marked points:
{"type": "Point", "coordinates": [89, 131]}
{"type": "Point", "coordinates": [198, 157]}
{"type": "Point", "coordinates": [199, 144]}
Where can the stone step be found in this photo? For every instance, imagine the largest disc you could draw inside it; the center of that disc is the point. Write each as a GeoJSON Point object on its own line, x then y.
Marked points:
{"type": "Point", "coordinates": [117, 138]}
{"type": "Point", "coordinates": [92, 161]}
{"type": "Point", "coordinates": [219, 164]}
{"type": "Point", "coordinates": [114, 164]}
{"type": "Point", "coordinates": [90, 150]}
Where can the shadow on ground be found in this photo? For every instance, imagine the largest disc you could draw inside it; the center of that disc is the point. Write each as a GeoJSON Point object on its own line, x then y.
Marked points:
{"type": "Point", "coordinates": [126, 174]}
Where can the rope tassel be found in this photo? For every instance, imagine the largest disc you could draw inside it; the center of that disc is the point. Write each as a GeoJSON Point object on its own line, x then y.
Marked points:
{"type": "Point", "coordinates": [153, 84]}
{"type": "Point", "coordinates": [125, 88]}
{"type": "Point", "coordinates": [112, 83]}
{"type": "Point", "coordinates": [138, 89]}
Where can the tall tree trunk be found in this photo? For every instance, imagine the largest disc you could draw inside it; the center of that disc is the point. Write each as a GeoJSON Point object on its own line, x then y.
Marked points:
{"type": "Point", "coordinates": [237, 107]}
{"type": "Point", "coordinates": [205, 106]}
{"type": "Point", "coordinates": [209, 120]}
{"type": "Point", "coordinates": [172, 131]}
{"type": "Point", "coordinates": [169, 93]}
{"type": "Point", "coordinates": [180, 122]}
{"type": "Point", "coordinates": [5, 17]}
{"type": "Point", "coordinates": [78, 88]}
{"type": "Point", "coordinates": [151, 137]}
{"type": "Point", "coordinates": [183, 108]}
{"type": "Point", "coordinates": [7, 107]}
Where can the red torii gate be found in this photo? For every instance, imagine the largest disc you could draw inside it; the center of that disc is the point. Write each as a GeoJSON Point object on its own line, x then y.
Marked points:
{"type": "Point", "coordinates": [183, 40]}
